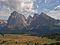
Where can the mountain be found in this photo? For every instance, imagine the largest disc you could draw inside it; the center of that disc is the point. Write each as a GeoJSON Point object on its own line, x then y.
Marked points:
{"type": "Point", "coordinates": [29, 19]}
{"type": "Point", "coordinates": [2, 23]}
{"type": "Point", "coordinates": [16, 20]}
{"type": "Point", "coordinates": [39, 24]}
{"type": "Point", "coordinates": [42, 20]}
{"type": "Point", "coordinates": [35, 16]}
{"type": "Point", "coordinates": [38, 21]}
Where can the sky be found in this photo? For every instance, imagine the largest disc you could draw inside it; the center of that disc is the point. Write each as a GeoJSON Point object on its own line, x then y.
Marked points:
{"type": "Point", "coordinates": [29, 7]}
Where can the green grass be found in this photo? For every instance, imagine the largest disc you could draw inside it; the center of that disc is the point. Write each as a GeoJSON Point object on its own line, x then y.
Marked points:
{"type": "Point", "coordinates": [13, 44]}
{"type": "Point", "coordinates": [11, 39]}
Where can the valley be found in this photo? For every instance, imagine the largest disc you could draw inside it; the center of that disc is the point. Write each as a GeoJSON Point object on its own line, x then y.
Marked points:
{"type": "Point", "coordinates": [40, 29]}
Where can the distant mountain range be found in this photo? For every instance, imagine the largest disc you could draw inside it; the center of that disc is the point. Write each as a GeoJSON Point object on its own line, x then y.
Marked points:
{"type": "Point", "coordinates": [2, 23]}
{"type": "Point", "coordinates": [39, 23]}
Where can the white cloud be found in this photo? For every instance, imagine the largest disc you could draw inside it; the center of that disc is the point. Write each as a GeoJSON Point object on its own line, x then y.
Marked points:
{"type": "Point", "coordinates": [21, 6]}
{"type": "Point", "coordinates": [4, 15]}
{"type": "Point", "coordinates": [57, 8]}
{"type": "Point", "coordinates": [55, 13]}
{"type": "Point", "coordinates": [2, 0]}
{"type": "Point", "coordinates": [46, 1]}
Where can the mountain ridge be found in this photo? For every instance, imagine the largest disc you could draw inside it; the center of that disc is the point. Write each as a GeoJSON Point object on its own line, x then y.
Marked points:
{"type": "Point", "coordinates": [39, 23]}
{"type": "Point", "coordinates": [16, 20]}
{"type": "Point", "coordinates": [38, 19]}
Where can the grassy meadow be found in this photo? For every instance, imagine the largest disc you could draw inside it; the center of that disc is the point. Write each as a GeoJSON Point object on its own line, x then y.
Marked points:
{"type": "Point", "coordinates": [24, 39]}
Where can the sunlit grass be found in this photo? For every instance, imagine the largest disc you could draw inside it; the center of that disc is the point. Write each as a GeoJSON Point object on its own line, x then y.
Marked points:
{"type": "Point", "coordinates": [16, 39]}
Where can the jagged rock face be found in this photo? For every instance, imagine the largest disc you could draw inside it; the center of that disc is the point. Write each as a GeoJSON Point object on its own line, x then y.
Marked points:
{"type": "Point", "coordinates": [29, 19]}
{"type": "Point", "coordinates": [16, 20]}
{"type": "Point", "coordinates": [35, 16]}
{"type": "Point", "coordinates": [41, 20]}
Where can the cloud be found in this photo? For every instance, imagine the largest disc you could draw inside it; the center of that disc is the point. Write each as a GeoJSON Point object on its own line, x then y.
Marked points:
{"type": "Point", "coordinates": [57, 8]}
{"type": "Point", "coordinates": [29, 7]}
{"type": "Point", "coordinates": [21, 6]}
{"type": "Point", "coordinates": [55, 13]}
{"type": "Point", "coordinates": [46, 1]}
{"type": "Point", "coordinates": [4, 15]}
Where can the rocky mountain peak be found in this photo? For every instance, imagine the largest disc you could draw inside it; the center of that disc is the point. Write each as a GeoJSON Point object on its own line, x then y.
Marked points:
{"type": "Point", "coordinates": [16, 20]}
{"type": "Point", "coordinates": [29, 19]}
{"type": "Point", "coordinates": [42, 20]}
